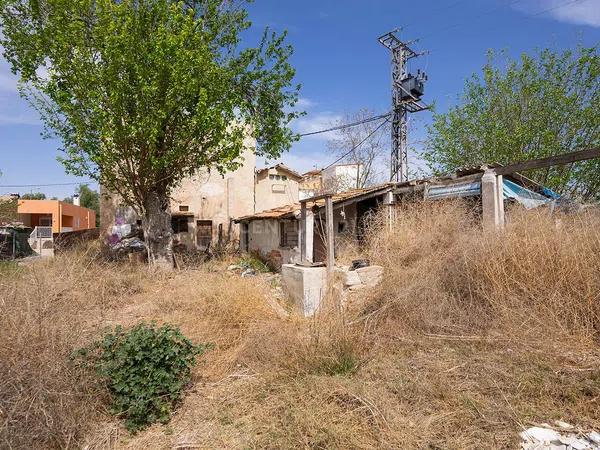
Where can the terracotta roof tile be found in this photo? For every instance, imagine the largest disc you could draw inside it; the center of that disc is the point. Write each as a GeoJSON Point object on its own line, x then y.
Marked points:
{"type": "Point", "coordinates": [293, 209]}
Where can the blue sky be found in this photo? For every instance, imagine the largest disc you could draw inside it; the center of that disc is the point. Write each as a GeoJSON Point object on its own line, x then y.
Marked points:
{"type": "Point", "coordinates": [342, 67]}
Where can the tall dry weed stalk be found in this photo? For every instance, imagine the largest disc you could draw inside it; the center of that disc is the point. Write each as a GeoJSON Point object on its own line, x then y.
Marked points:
{"type": "Point", "coordinates": [445, 274]}
{"type": "Point", "coordinates": [47, 310]}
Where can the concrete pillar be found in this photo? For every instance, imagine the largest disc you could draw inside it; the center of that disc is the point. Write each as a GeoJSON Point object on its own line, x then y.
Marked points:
{"type": "Point", "coordinates": [306, 233]}
{"type": "Point", "coordinates": [493, 208]}
{"type": "Point", "coordinates": [500, 193]}
{"type": "Point", "coordinates": [302, 234]}
{"type": "Point", "coordinates": [330, 236]}
{"type": "Point", "coordinates": [306, 286]}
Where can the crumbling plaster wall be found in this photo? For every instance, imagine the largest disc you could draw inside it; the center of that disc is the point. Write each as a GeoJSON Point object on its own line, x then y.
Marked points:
{"type": "Point", "coordinates": [274, 193]}
{"type": "Point", "coordinates": [212, 196]}
{"type": "Point", "coordinates": [264, 238]}
{"type": "Point", "coordinates": [208, 196]}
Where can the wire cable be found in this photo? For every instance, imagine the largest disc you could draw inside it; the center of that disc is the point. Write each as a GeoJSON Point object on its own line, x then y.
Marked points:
{"type": "Point", "coordinates": [490, 11]}
{"type": "Point", "coordinates": [348, 125]}
{"type": "Point", "coordinates": [44, 185]}
{"type": "Point", "coordinates": [358, 145]}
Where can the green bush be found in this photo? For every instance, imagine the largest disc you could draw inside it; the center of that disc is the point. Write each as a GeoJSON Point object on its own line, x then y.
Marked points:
{"type": "Point", "coordinates": [145, 369]}
{"type": "Point", "coordinates": [252, 261]}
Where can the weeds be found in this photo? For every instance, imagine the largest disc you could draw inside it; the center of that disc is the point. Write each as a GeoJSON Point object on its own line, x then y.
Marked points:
{"type": "Point", "coordinates": [470, 336]}
{"type": "Point", "coordinates": [145, 369]}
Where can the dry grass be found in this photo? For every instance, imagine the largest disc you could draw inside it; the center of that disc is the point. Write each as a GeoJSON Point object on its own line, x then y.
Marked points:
{"type": "Point", "coordinates": [445, 275]}
{"type": "Point", "coordinates": [470, 337]}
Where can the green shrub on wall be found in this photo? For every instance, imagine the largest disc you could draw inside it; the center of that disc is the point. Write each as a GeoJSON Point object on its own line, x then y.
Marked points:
{"type": "Point", "coordinates": [8, 210]}
{"type": "Point", "coordinates": [145, 369]}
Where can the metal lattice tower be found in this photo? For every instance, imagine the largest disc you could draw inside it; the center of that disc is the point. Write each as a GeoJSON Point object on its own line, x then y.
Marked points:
{"type": "Point", "coordinates": [403, 101]}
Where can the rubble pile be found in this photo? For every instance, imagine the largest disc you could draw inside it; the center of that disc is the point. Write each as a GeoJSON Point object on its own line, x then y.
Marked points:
{"type": "Point", "coordinates": [561, 436]}
{"type": "Point", "coordinates": [361, 278]}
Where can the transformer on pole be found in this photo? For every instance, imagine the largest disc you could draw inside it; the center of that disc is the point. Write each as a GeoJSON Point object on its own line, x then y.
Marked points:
{"type": "Point", "coordinates": [407, 90]}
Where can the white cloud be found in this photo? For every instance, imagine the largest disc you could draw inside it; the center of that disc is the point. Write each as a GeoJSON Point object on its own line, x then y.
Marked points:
{"type": "Point", "coordinates": [304, 102]}
{"type": "Point", "coordinates": [317, 122]}
{"type": "Point", "coordinates": [580, 12]}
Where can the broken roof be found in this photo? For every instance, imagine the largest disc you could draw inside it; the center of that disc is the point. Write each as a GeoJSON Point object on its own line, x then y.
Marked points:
{"type": "Point", "coordinates": [312, 173]}
{"type": "Point", "coordinates": [281, 167]}
{"type": "Point", "coordinates": [460, 176]}
{"type": "Point", "coordinates": [292, 210]}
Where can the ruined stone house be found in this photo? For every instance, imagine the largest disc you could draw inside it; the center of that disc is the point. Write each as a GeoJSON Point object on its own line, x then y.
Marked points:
{"type": "Point", "coordinates": [277, 233]}
{"type": "Point", "coordinates": [203, 206]}
{"type": "Point", "coordinates": [275, 186]}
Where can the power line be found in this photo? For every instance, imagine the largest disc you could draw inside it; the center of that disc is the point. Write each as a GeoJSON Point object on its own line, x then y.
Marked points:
{"type": "Point", "coordinates": [43, 185]}
{"type": "Point", "coordinates": [347, 125]}
{"type": "Point", "coordinates": [371, 119]}
{"type": "Point", "coordinates": [556, 7]}
{"type": "Point", "coordinates": [490, 11]}
{"type": "Point", "coordinates": [358, 145]}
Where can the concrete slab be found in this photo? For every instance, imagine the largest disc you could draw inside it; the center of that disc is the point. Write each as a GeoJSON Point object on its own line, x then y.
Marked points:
{"type": "Point", "coordinates": [370, 275]}
{"type": "Point", "coordinates": [306, 286]}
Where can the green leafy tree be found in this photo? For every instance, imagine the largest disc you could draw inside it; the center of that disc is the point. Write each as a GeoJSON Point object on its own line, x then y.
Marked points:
{"type": "Point", "coordinates": [144, 93]}
{"type": "Point", "coordinates": [34, 196]}
{"type": "Point", "coordinates": [539, 106]}
{"type": "Point", "coordinates": [89, 198]}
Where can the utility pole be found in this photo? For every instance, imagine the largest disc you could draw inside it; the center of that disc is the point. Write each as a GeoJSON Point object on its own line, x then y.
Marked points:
{"type": "Point", "coordinates": [407, 91]}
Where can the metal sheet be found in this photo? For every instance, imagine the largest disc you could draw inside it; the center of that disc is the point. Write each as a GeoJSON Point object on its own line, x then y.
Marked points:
{"type": "Point", "coordinates": [456, 190]}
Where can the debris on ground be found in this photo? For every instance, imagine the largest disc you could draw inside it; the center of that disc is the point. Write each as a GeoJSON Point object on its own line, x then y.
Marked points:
{"type": "Point", "coordinates": [128, 245]}
{"type": "Point", "coordinates": [561, 436]}
{"type": "Point", "coordinates": [249, 272]}
{"type": "Point", "coordinates": [355, 279]}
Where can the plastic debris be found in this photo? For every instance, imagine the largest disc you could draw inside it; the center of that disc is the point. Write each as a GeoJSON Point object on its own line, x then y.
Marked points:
{"type": "Point", "coordinates": [248, 273]}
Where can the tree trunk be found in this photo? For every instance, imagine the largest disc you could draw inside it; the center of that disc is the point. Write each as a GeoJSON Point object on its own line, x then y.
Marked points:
{"type": "Point", "coordinates": [157, 229]}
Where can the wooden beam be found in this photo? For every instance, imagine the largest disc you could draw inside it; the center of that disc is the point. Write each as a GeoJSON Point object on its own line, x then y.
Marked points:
{"type": "Point", "coordinates": [303, 232]}
{"type": "Point", "coordinates": [541, 163]}
{"type": "Point", "coordinates": [315, 198]}
{"type": "Point", "coordinates": [330, 237]}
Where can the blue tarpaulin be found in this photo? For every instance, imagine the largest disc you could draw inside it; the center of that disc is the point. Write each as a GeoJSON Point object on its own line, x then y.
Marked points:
{"type": "Point", "coordinates": [524, 196]}
{"type": "Point", "coordinates": [511, 191]}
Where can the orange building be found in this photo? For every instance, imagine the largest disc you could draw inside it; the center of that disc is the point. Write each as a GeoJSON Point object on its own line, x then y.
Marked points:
{"type": "Point", "coordinates": [61, 216]}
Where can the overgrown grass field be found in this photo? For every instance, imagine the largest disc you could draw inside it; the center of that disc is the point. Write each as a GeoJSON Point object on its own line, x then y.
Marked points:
{"type": "Point", "coordinates": [470, 338]}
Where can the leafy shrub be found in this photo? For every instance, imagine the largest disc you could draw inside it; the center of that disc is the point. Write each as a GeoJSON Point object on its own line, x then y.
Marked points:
{"type": "Point", "coordinates": [145, 369]}
{"type": "Point", "coordinates": [253, 261]}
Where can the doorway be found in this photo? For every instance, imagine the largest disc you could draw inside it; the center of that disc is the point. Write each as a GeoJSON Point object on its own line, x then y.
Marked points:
{"type": "Point", "coordinates": [203, 234]}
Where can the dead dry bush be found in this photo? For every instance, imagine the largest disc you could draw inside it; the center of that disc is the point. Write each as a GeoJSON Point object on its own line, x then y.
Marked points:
{"type": "Point", "coordinates": [323, 345]}
{"type": "Point", "coordinates": [445, 274]}
{"type": "Point", "coordinates": [470, 337]}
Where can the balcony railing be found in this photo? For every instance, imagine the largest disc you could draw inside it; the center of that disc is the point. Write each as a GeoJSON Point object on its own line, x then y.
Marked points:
{"type": "Point", "coordinates": [41, 233]}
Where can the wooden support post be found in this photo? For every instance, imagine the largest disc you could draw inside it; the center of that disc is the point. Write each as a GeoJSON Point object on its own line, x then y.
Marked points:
{"type": "Point", "coordinates": [303, 232]}
{"type": "Point", "coordinates": [330, 237]}
{"type": "Point", "coordinates": [389, 202]}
